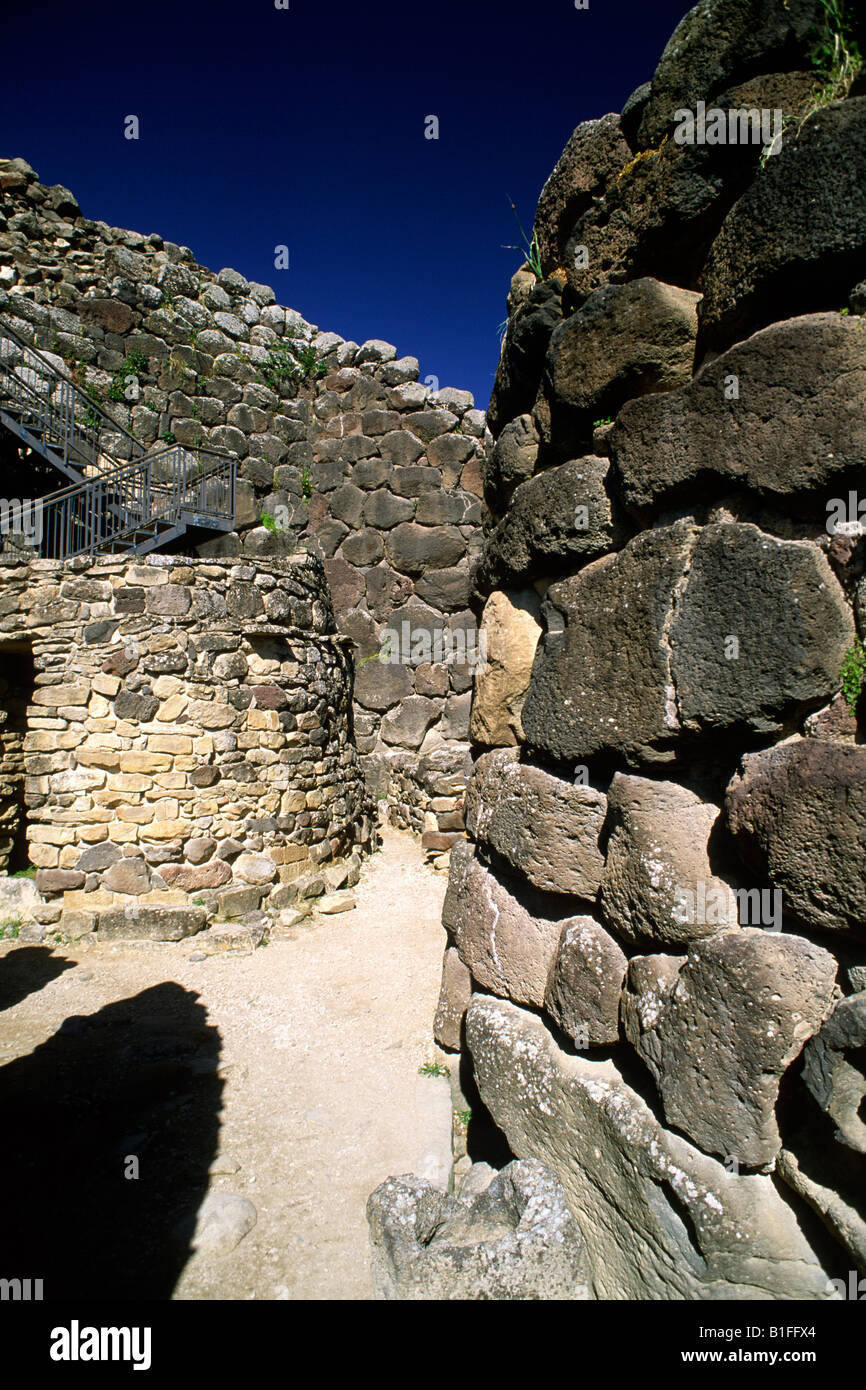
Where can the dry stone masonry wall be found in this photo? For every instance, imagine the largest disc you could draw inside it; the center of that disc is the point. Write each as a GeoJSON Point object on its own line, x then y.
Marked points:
{"type": "Point", "coordinates": [657, 929]}
{"type": "Point", "coordinates": [186, 738]}
{"type": "Point", "coordinates": [350, 456]}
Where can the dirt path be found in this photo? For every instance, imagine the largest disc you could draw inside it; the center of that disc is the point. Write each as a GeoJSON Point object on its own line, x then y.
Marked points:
{"type": "Point", "coordinates": [318, 1042]}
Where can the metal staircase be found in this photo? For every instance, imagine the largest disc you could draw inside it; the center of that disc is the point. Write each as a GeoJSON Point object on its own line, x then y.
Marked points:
{"type": "Point", "coordinates": [122, 498]}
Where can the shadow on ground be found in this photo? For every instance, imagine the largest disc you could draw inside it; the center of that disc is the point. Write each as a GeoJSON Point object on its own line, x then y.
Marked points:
{"type": "Point", "coordinates": [137, 1080]}
{"type": "Point", "coordinates": [27, 970]}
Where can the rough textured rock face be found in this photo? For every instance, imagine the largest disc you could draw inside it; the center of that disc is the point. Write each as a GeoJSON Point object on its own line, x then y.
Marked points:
{"type": "Point", "coordinates": [352, 458]}
{"type": "Point", "coordinates": [739, 1013]}
{"type": "Point", "coordinates": [595, 153]}
{"type": "Point", "coordinates": [561, 516]}
{"type": "Point", "coordinates": [780, 807]}
{"type": "Point", "coordinates": [718, 44]}
{"type": "Point", "coordinates": [511, 629]}
{"type": "Point", "coordinates": [692, 607]}
{"type": "Point", "coordinates": [795, 241]}
{"type": "Point", "coordinates": [833, 1069]}
{"type": "Point", "coordinates": [585, 984]}
{"type": "Point", "coordinates": [624, 341]}
{"type": "Point", "coordinates": [626, 1178]}
{"type": "Point", "coordinates": [502, 938]}
{"type": "Point", "coordinates": [725, 627]}
{"type": "Point", "coordinates": [791, 428]}
{"type": "Point", "coordinates": [546, 828]}
{"type": "Point", "coordinates": [515, 1239]}
{"type": "Point", "coordinates": [657, 874]}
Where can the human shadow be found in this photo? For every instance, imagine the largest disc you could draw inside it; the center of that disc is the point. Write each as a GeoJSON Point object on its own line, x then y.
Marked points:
{"type": "Point", "coordinates": [26, 970]}
{"type": "Point", "coordinates": [110, 1128]}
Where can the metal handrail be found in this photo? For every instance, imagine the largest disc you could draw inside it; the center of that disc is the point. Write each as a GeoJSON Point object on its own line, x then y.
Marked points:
{"type": "Point", "coordinates": [87, 518]}
{"type": "Point", "coordinates": [70, 394]}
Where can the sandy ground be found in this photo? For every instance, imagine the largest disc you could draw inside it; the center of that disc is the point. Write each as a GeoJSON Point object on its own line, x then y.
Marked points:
{"type": "Point", "coordinates": [288, 1076]}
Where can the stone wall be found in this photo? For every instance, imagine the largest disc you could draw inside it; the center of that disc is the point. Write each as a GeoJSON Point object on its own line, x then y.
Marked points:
{"type": "Point", "coordinates": [657, 931]}
{"type": "Point", "coordinates": [352, 456]}
{"type": "Point", "coordinates": [188, 734]}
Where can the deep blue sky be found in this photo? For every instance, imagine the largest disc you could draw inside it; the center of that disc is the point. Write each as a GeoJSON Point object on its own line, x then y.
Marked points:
{"type": "Point", "coordinates": [306, 127]}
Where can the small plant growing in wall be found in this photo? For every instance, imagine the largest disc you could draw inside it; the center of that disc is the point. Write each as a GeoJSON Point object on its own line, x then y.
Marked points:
{"type": "Point", "coordinates": [10, 930]}
{"type": "Point", "coordinates": [168, 438]}
{"type": "Point", "coordinates": [433, 1069]}
{"type": "Point", "coordinates": [133, 364]}
{"type": "Point", "coordinates": [269, 521]}
{"type": "Point", "coordinates": [289, 364]}
{"type": "Point", "coordinates": [529, 249]}
{"type": "Point", "coordinates": [853, 674]}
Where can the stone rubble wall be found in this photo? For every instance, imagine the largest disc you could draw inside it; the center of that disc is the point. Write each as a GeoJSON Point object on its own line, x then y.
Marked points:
{"type": "Point", "coordinates": [187, 736]}
{"type": "Point", "coordinates": [12, 773]}
{"type": "Point", "coordinates": [678, 403]}
{"type": "Point", "coordinates": [375, 471]}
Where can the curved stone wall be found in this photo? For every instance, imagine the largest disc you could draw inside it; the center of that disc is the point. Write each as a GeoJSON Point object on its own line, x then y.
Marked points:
{"type": "Point", "coordinates": [189, 731]}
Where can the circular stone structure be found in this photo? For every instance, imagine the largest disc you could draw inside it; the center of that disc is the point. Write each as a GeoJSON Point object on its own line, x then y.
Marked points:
{"type": "Point", "coordinates": [187, 731]}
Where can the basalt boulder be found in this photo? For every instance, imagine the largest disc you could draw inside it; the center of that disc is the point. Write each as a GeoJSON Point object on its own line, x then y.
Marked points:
{"type": "Point", "coordinates": [660, 1219]}
{"type": "Point", "coordinates": [739, 1013]}
{"type": "Point", "coordinates": [795, 242]}
{"type": "Point", "coordinates": [776, 414]}
{"type": "Point", "coordinates": [797, 813]}
{"type": "Point", "coordinates": [546, 828]}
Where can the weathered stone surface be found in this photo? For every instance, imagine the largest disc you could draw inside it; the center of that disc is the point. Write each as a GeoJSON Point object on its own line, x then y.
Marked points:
{"type": "Point", "coordinates": [454, 995]}
{"type": "Point", "coordinates": [789, 429]}
{"type": "Point", "coordinates": [128, 876]}
{"type": "Point", "coordinates": [657, 883]}
{"type": "Point", "coordinates": [446, 589]}
{"type": "Point", "coordinates": [506, 941]}
{"type": "Point", "coordinates": [545, 827]}
{"type": "Point", "coordinates": [516, 1239]}
{"type": "Point", "coordinates": [581, 698]}
{"type": "Point", "coordinates": [150, 923]}
{"type": "Point", "coordinates": [560, 517]}
{"type": "Point", "coordinates": [521, 363]}
{"type": "Point", "coordinates": [664, 208]}
{"type": "Point", "coordinates": [19, 898]}
{"type": "Point", "coordinates": [798, 815]}
{"type": "Point", "coordinates": [511, 461]}
{"type": "Point", "coordinates": [407, 724]}
{"type": "Point", "coordinates": [681, 594]}
{"type": "Point", "coordinates": [721, 43]}
{"type": "Point", "coordinates": [136, 708]}
{"type": "Point", "coordinates": [585, 984]}
{"type": "Point", "coordinates": [796, 240]}
{"type": "Point", "coordinates": [222, 1221]}
{"type": "Point", "coordinates": [743, 1005]}
{"type": "Point", "coordinates": [624, 341]}
{"type": "Point", "coordinates": [454, 723]}
{"type": "Point", "coordinates": [595, 153]}
{"type": "Point", "coordinates": [413, 549]}
{"type": "Point", "coordinates": [649, 983]}
{"type": "Point", "coordinates": [510, 628]}
{"type": "Point", "coordinates": [255, 868]}
{"type": "Point", "coordinates": [196, 878]}
{"type": "Point", "coordinates": [789, 616]}
{"type": "Point", "coordinates": [834, 1071]}
{"type": "Point", "coordinates": [627, 1180]}
{"type": "Point", "coordinates": [379, 685]}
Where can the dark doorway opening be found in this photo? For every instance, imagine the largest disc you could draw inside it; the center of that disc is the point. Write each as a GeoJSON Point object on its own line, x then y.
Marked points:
{"type": "Point", "coordinates": [17, 679]}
